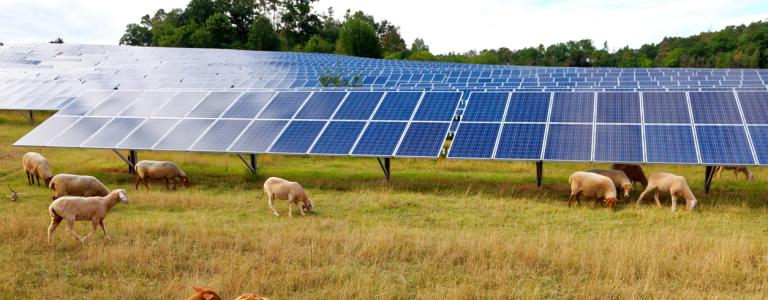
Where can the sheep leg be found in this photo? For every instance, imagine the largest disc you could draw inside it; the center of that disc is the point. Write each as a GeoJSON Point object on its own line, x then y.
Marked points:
{"type": "Point", "coordinates": [28, 182]}
{"type": "Point", "coordinates": [656, 197]}
{"type": "Point", "coordinates": [290, 209]}
{"type": "Point", "coordinates": [38, 180]}
{"type": "Point", "coordinates": [642, 195]}
{"type": "Point", "coordinates": [55, 221]}
{"type": "Point", "coordinates": [167, 185]}
{"type": "Point", "coordinates": [71, 230]}
{"type": "Point", "coordinates": [106, 235]}
{"type": "Point", "coordinates": [138, 180]}
{"type": "Point", "coordinates": [272, 204]}
{"type": "Point", "coordinates": [95, 226]}
{"type": "Point", "coordinates": [674, 201]}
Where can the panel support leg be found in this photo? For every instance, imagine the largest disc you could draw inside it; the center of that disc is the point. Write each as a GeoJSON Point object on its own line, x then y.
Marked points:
{"type": "Point", "coordinates": [252, 165]}
{"type": "Point", "coordinates": [708, 174]}
{"type": "Point", "coordinates": [133, 157]}
{"type": "Point", "coordinates": [385, 166]}
{"type": "Point", "coordinates": [539, 172]}
{"type": "Point", "coordinates": [31, 117]}
{"type": "Point", "coordinates": [131, 163]}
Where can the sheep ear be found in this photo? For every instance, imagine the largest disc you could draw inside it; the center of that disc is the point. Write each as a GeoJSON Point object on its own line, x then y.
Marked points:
{"type": "Point", "coordinates": [197, 289]}
{"type": "Point", "coordinates": [122, 195]}
{"type": "Point", "coordinates": [208, 296]}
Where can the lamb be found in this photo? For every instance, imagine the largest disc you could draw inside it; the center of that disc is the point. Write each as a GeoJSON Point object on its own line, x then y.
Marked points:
{"type": "Point", "coordinates": [77, 185]}
{"type": "Point", "coordinates": [736, 171]}
{"type": "Point", "coordinates": [92, 209]}
{"type": "Point", "coordinates": [592, 185]}
{"type": "Point", "coordinates": [207, 294]}
{"type": "Point", "coordinates": [634, 172]}
{"type": "Point", "coordinates": [278, 188]}
{"type": "Point", "coordinates": [36, 166]}
{"type": "Point", "coordinates": [619, 179]}
{"type": "Point", "coordinates": [675, 185]}
{"type": "Point", "coordinates": [152, 169]}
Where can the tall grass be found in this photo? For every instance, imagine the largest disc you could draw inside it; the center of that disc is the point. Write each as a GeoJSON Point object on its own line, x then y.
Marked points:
{"type": "Point", "coordinates": [440, 229]}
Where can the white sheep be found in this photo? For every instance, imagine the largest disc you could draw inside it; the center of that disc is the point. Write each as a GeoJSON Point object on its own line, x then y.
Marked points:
{"type": "Point", "coordinates": [92, 209]}
{"type": "Point", "coordinates": [592, 185]}
{"type": "Point", "coordinates": [77, 185]}
{"type": "Point", "coordinates": [159, 170]}
{"type": "Point", "coordinates": [36, 166]}
{"type": "Point", "coordinates": [278, 188]}
{"type": "Point", "coordinates": [619, 178]}
{"type": "Point", "coordinates": [675, 185]}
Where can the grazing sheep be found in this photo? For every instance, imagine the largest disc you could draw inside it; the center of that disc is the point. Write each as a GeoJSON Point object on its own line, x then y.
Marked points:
{"type": "Point", "coordinates": [36, 166]}
{"type": "Point", "coordinates": [634, 172]}
{"type": "Point", "coordinates": [92, 209]}
{"type": "Point", "coordinates": [736, 171]}
{"type": "Point", "coordinates": [278, 188]}
{"type": "Point", "coordinates": [158, 170]}
{"type": "Point", "coordinates": [675, 185]}
{"type": "Point", "coordinates": [592, 185]}
{"type": "Point", "coordinates": [208, 294]}
{"type": "Point", "coordinates": [620, 179]}
{"type": "Point", "coordinates": [77, 185]}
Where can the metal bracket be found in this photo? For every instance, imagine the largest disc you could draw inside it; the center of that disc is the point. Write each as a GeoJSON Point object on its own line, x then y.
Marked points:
{"type": "Point", "coordinates": [252, 165]}
{"type": "Point", "coordinates": [385, 166]}
{"type": "Point", "coordinates": [709, 172]}
{"type": "Point", "coordinates": [29, 116]}
{"type": "Point", "coordinates": [130, 160]}
{"type": "Point", "coordinates": [539, 172]}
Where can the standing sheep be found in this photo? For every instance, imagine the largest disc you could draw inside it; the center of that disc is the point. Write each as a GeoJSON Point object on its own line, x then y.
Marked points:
{"type": "Point", "coordinates": [675, 185]}
{"type": "Point", "coordinates": [736, 171]}
{"type": "Point", "coordinates": [278, 188]}
{"type": "Point", "coordinates": [36, 166]}
{"type": "Point", "coordinates": [159, 170]}
{"type": "Point", "coordinates": [620, 180]}
{"type": "Point", "coordinates": [634, 172]}
{"type": "Point", "coordinates": [592, 185]}
{"type": "Point", "coordinates": [77, 185]}
{"type": "Point", "coordinates": [92, 209]}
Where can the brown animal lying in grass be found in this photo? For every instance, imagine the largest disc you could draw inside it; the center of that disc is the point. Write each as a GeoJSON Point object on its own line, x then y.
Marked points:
{"type": "Point", "coordinates": [207, 294]}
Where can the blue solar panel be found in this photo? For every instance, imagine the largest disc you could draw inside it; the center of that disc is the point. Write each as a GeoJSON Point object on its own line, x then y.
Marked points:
{"type": "Point", "coordinates": [214, 105]}
{"type": "Point", "coordinates": [521, 141]}
{"type": "Point", "coordinates": [437, 106]}
{"type": "Point", "coordinates": [755, 107]}
{"type": "Point", "coordinates": [760, 140]}
{"type": "Point", "coordinates": [485, 107]}
{"type": "Point", "coordinates": [46, 131]}
{"type": "Point", "coordinates": [113, 133]}
{"type": "Point", "coordinates": [338, 138]}
{"type": "Point", "coordinates": [670, 144]}
{"type": "Point", "coordinates": [618, 143]}
{"type": "Point", "coordinates": [258, 137]}
{"type": "Point", "coordinates": [423, 139]}
{"type": "Point", "coordinates": [248, 105]}
{"type": "Point", "coordinates": [284, 105]}
{"type": "Point", "coordinates": [569, 142]}
{"type": "Point", "coordinates": [573, 107]}
{"type": "Point", "coordinates": [397, 106]}
{"type": "Point", "coordinates": [380, 138]}
{"type": "Point", "coordinates": [358, 106]}
{"type": "Point", "coordinates": [184, 134]}
{"type": "Point", "coordinates": [297, 137]}
{"type": "Point", "coordinates": [714, 108]}
{"type": "Point", "coordinates": [220, 135]}
{"type": "Point", "coordinates": [618, 108]}
{"type": "Point", "coordinates": [528, 107]}
{"type": "Point", "coordinates": [723, 145]}
{"type": "Point", "coordinates": [666, 108]}
{"type": "Point", "coordinates": [321, 105]}
{"type": "Point", "coordinates": [147, 134]}
{"type": "Point", "coordinates": [474, 140]}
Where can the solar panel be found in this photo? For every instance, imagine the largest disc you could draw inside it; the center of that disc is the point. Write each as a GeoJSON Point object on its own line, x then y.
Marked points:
{"type": "Point", "coordinates": [148, 103]}
{"type": "Point", "coordinates": [85, 103]}
{"type": "Point", "coordinates": [284, 105]}
{"type": "Point", "coordinates": [249, 105]}
{"type": "Point", "coordinates": [297, 137]}
{"type": "Point", "coordinates": [759, 135]}
{"type": "Point", "coordinates": [437, 106]}
{"type": "Point", "coordinates": [114, 104]}
{"type": "Point", "coordinates": [618, 143]}
{"type": "Point", "coordinates": [714, 108]}
{"type": "Point", "coordinates": [666, 107]}
{"type": "Point", "coordinates": [521, 141]}
{"type": "Point", "coordinates": [321, 105]}
{"type": "Point", "coordinates": [46, 131]}
{"type": "Point", "coordinates": [183, 135]}
{"type": "Point", "coordinates": [618, 108]}
{"type": "Point", "coordinates": [380, 139]}
{"type": "Point", "coordinates": [528, 107]}
{"type": "Point", "coordinates": [755, 107]}
{"type": "Point", "coordinates": [338, 138]}
{"type": "Point", "coordinates": [78, 132]}
{"type": "Point", "coordinates": [486, 107]}
{"type": "Point", "coordinates": [670, 144]}
{"type": "Point", "coordinates": [723, 145]}
{"type": "Point", "coordinates": [397, 106]}
{"type": "Point", "coordinates": [569, 142]}
{"type": "Point", "coordinates": [112, 133]}
{"type": "Point", "coordinates": [358, 106]}
{"type": "Point", "coordinates": [220, 136]}
{"type": "Point", "coordinates": [213, 105]}
{"type": "Point", "coordinates": [258, 137]}
{"type": "Point", "coordinates": [423, 139]}
{"type": "Point", "coordinates": [147, 134]}
{"type": "Point", "coordinates": [179, 105]}
{"type": "Point", "coordinates": [573, 107]}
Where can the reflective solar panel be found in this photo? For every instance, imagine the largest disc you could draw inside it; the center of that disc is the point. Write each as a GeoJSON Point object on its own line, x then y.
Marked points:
{"type": "Point", "coordinates": [297, 137]}
{"type": "Point", "coordinates": [321, 105]}
{"type": "Point", "coordinates": [670, 144]}
{"type": "Point", "coordinates": [179, 105]}
{"type": "Point", "coordinates": [759, 136]}
{"type": "Point", "coordinates": [755, 107]}
{"type": "Point", "coordinates": [213, 105]}
{"type": "Point", "coordinates": [46, 131]}
{"type": "Point", "coordinates": [220, 136]}
{"type": "Point", "coordinates": [258, 137]}
{"type": "Point", "coordinates": [485, 107]}
{"type": "Point", "coordinates": [183, 135]}
{"type": "Point", "coordinates": [284, 105]}
{"type": "Point", "coordinates": [437, 106]}
{"type": "Point", "coordinates": [521, 141]}
{"type": "Point", "coordinates": [115, 103]}
{"type": "Point", "coordinates": [147, 103]}
{"type": "Point", "coordinates": [723, 145]}
{"type": "Point", "coordinates": [618, 108]}
{"type": "Point", "coordinates": [423, 139]}
{"type": "Point", "coordinates": [78, 132]}
{"type": "Point", "coordinates": [113, 133]}
{"type": "Point", "coordinates": [714, 108]}
{"type": "Point", "coordinates": [380, 138]}
{"type": "Point", "coordinates": [569, 142]}
{"type": "Point", "coordinates": [666, 108]}
{"type": "Point", "coordinates": [528, 107]}
{"type": "Point", "coordinates": [338, 138]}
{"type": "Point", "coordinates": [397, 106]}
{"type": "Point", "coordinates": [358, 106]}
{"type": "Point", "coordinates": [249, 105]}
{"type": "Point", "coordinates": [475, 140]}
{"type": "Point", "coordinates": [618, 143]}
{"type": "Point", "coordinates": [573, 107]}
{"type": "Point", "coordinates": [85, 102]}
{"type": "Point", "coordinates": [147, 134]}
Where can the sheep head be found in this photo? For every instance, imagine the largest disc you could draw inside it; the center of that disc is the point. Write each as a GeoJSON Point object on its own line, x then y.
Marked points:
{"type": "Point", "coordinates": [627, 189]}
{"type": "Point", "coordinates": [691, 203]}
{"type": "Point", "coordinates": [48, 180]}
{"type": "Point", "coordinates": [184, 180]}
{"type": "Point", "coordinates": [204, 294]}
{"type": "Point", "coordinates": [611, 202]}
{"type": "Point", "coordinates": [307, 204]}
{"type": "Point", "coordinates": [122, 196]}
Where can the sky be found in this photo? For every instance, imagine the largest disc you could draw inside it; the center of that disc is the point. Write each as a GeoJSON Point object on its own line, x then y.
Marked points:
{"type": "Point", "coordinates": [446, 26]}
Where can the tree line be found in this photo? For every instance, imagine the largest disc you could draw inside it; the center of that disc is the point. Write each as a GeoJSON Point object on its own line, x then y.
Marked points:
{"type": "Point", "coordinates": [293, 25]}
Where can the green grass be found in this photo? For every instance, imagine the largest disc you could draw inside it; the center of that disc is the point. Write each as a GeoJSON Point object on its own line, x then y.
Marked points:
{"type": "Point", "coordinates": [440, 229]}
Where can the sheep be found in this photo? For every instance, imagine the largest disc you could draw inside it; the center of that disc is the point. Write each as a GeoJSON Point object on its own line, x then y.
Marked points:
{"type": "Point", "coordinates": [152, 169]}
{"type": "Point", "coordinates": [736, 171]}
{"type": "Point", "coordinates": [619, 179]}
{"type": "Point", "coordinates": [592, 185]}
{"type": "Point", "coordinates": [251, 297]}
{"type": "Point", "coordinates": [634, 172]}
{"type": "Point", "coordinates": [36, 166]}
{"type": "Point", "coordinates": [74, 209]}
{"type": "Point", "coordinates": [675, 185]}
{"type": "Point", "coordinates": [278, 188]}
{"type": "Point", "coordinates": [204, 294]}
{"type": "Point", "coordinates": [77, 185]}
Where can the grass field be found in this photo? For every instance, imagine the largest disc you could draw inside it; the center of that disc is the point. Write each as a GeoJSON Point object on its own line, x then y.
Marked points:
{"type": "Point", "coordinates": [439, 230]}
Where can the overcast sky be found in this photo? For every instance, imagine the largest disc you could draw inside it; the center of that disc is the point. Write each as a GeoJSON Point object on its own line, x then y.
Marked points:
{"type": "Point", "coordinates": [444, 25]}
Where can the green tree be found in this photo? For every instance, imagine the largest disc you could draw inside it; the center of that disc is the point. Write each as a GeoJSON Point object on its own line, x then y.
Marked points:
{"type": "Point", "coordinates": [136, 35]}
{"type": "Point", "coordinates": [423, 55]}
{"type": "Point", "coordinates": [262, 35]}
{"type": "Point", "coordinates": [318, 44]}
{"type": "Point", "coordinates": [419, 45]}
{"type": "Point", "coordinates": [299, 22]}
{"type": "Point", "coordinates": [358, 38]}
{"type": "Point", "coordinates": [391, 41]}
